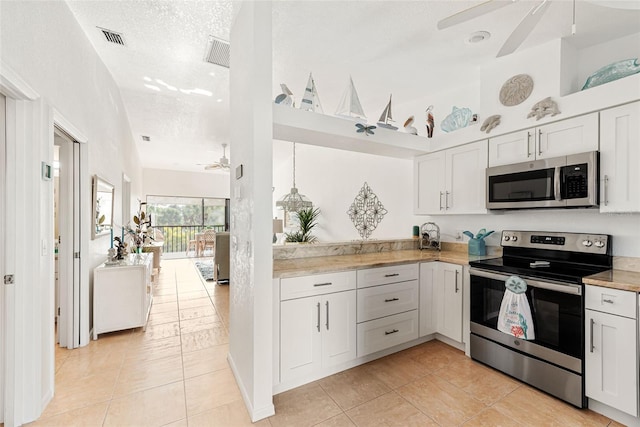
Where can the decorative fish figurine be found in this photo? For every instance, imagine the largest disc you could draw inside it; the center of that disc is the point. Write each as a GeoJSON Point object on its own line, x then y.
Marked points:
{"type": "Point", "coordinates": [367, 130]}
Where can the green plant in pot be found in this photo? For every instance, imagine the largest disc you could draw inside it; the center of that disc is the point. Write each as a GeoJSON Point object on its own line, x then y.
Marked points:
{"type": "Point", "coordinates": [307, 219]}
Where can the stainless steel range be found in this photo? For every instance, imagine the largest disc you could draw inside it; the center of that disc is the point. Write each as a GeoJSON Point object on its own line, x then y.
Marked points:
{"type": "Point", "coordinates": [553, 265]}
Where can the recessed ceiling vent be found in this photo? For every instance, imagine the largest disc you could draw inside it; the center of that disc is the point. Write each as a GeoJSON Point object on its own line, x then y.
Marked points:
{"type": "Point", "coordinates": [146, 138]}
{"type": "Point", "coordinates": [112, 36]}
{"type": "Point", "coordinates": [218, 52]}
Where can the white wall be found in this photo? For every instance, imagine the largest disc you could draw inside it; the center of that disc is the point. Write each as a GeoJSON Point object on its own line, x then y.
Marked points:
{"type": "Point", "coordinates": [624, 228]}
{"type": "Point", "coordinates": [251, 263]}
{"type": "Point", "coordinates": [160, 182]}
{"type": "Point", "coordinates": [332, 179]}
{"type": "Point", "coordinates": [43, 44]}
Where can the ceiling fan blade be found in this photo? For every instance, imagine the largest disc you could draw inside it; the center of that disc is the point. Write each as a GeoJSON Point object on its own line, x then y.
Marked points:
{"type": "Point", "coordinates": [523, 29]}
{"type": "Point", "coordinates": [472, 12]}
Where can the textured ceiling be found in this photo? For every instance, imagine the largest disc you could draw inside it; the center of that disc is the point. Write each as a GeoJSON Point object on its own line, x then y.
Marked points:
{"type": "Point", "coordinates": [387, 46]}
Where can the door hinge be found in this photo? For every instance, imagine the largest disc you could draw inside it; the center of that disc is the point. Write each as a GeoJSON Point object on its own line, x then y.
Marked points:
{"type": "Point", "coordinates": [58, 311]}
{"type": "Point", "coordinates": [76, 255]}
{"type": "Point", "coordinates": [8, 279]}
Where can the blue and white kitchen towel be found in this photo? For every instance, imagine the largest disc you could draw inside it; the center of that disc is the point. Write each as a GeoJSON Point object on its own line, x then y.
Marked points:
{"type": "Point", "coordinates": [515, 314]}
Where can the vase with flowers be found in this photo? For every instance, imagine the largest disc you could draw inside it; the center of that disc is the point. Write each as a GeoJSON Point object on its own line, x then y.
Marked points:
{"type": "Point", "coordinates": [139, 232]}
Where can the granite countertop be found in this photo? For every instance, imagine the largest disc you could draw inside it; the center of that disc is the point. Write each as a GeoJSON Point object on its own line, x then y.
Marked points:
{"type": "Point", "coordinates": [616, 279]}
{"type": "Point", "coordinates": [327, 264]}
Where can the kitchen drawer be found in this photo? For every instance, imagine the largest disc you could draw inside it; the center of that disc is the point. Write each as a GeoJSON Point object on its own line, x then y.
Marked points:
{"type": "Point", "coordinates": [386, 332]}
{"type": "Point", "coordinates": [317, 284]}
{"type": "Point", "coordinates": [613, 301]}
{"type": "Point", "coordinates": [385, 300]}
{"type": "Point", "coordinates": [385, 275]}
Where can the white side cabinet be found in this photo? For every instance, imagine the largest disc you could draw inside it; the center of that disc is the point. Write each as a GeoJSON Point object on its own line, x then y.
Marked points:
{"type": "Point", "coordinates": [611, 354]}
{"type": "Point", "coordinates": [441, 299]}
{"type": "Point", "coordinates": [317, 330]}
{"type": "Point", "coordinates": [619, 159]}
{"type": "Point", "coordinates": [571, 136]}
{"type": "Point", "coordinates": [122, 294]}
{"type": "Point", "coordinates": [451, 181]}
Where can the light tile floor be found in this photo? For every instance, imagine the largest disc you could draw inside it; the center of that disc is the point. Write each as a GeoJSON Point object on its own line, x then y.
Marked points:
{"type": "Point", "coordinates": [176, 374]}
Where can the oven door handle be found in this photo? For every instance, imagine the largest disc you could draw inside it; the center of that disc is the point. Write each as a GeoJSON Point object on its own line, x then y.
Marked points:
{"type": "Point", "coordinates": [567, 288]}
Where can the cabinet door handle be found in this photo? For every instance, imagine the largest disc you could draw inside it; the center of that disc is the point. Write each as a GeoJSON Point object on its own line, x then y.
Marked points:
{"type": "Point", "coordinates": [446, 200]}
{"type": "Point", "coordinates": [604, 190]}
{"type": "Point", "coordinates": [457, 288]}
{"type": "Point", "coordinates": [323, 284]}
{"type": "Point", "coordinates": [539, 142]}
{"type": "Point", "coordinates": [441, 194]}
{"type": "Point", "coordinates": [391, 299]}
{"type": "Point", "coordinates": [608, 301]}
{"type": "Point", "coordinates": [327, 306]}
{"type": "Point", "coordinates": [391, 332]}
{"type": "Point", "coordinates": [528, 144]}
{"type": "Point", "coordinates": [591, 347]}
{"type": "Point", "coordinates": [318, 325]}
{"type": "Point", "coordinates": [392, 275]}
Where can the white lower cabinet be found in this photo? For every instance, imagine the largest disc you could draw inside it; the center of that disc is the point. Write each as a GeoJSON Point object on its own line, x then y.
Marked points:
{"type": "Point", "coordinates": [317, 332]}
{"type": "Point", "coordinates": [387, 307]}
{"type": "Point", "coordinates": [441, 299]}
{"type": "Point", "coordinates": [611, 353]}
{"type": "Point", "coordinates": [386, 332]}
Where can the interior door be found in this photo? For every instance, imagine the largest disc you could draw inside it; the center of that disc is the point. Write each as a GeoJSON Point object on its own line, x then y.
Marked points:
{"type": "Point", "coordinates": [68, 262]}
{"type": "Point", "coordinates": [77, 221]}
{"type": "Point", "coordinates": [3, 246]}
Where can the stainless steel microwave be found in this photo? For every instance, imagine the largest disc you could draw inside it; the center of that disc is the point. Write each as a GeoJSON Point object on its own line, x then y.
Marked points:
{"type": "Point", "coordinates": [560, 182]}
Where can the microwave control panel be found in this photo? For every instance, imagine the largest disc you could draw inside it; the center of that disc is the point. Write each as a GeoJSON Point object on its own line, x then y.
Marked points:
{"type": "Point", "coordinates": [575, 181]}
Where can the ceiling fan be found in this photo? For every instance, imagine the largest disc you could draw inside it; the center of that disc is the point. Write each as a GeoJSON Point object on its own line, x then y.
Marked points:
{"type": "Point", "coordinates": [518, 35]}
{"type": "Point", "coordinates": [223, 164]}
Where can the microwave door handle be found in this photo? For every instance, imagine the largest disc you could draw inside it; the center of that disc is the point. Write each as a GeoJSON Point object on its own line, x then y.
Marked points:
{"type": "Point", "coordinates": [556, 184]}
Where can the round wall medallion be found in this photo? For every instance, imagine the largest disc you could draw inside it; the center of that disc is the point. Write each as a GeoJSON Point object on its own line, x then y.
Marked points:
{"type": "Point", "coordinates": [515, 90]}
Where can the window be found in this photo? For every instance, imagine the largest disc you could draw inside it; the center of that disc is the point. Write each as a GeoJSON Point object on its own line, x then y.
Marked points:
{"type": "Point", "coordinates": [189, 211]}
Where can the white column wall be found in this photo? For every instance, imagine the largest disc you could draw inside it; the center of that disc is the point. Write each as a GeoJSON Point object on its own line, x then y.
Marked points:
{"type": "Point", "coordinates": [250, 304]}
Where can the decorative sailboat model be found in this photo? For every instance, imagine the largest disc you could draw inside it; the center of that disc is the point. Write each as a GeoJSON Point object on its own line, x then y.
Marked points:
{"type": "Point", "coordinates": [311, 100]}
{"type": "Point", "coordinates": [349, 106]}
{"type": "Point", "coordinates": [386, 117]}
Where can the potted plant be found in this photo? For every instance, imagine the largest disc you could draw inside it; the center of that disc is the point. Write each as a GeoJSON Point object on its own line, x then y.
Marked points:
{"type": "Point", "coordinates": [307, 218]}
{"type": "Point", "coordinates": [139, 233]}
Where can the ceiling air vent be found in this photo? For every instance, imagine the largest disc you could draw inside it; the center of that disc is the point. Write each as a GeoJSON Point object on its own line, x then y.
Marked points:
{"type": "Point", "coordinates": [112, 36]}
{"type": "Point", "coordinates": [146, 138]}
{"type": "Point", "coordinates": [218, 52]}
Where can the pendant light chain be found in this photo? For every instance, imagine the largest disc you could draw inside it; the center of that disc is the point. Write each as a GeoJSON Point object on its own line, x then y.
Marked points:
{"type": "Point", "coordinates": [294, 201]}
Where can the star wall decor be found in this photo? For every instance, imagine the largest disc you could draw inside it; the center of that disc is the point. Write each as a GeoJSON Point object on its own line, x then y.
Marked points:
{"type": "Point", "coordinates": [366, 211]}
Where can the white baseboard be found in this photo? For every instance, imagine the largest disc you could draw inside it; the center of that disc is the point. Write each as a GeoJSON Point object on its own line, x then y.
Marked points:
{"type": "Point", "coordinates": [256, 414]}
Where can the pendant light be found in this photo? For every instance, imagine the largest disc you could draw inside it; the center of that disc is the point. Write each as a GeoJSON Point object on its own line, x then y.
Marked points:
{"type": "Point", "coordinates": [294, 201]}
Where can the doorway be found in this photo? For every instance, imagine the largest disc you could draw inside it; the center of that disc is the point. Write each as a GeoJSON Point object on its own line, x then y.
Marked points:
{"type": "Point", "coordinates": [67, 228]}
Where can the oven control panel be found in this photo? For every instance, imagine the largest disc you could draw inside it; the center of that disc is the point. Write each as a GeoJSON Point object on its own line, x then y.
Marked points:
{"type": "Point", "coordinates": [574, 242]}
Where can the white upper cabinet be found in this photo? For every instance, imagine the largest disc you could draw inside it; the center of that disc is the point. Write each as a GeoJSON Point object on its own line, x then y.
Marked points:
{"type": "Point", "coordinates": [429, 183]}
{"type": "Point", "coordinates": [619, 159]}
{"type": "Point", "coordinates": [511, 148]}
{"type": "Point", "coordinates": [466, 179]}
{"type": "Point", "coordinates": [571, 136]}
{"type": "Point", "coordinates": [451, 181]}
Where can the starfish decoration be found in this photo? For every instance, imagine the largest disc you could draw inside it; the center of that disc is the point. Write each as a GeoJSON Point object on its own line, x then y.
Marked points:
{"type": "Point", "coordinates": [366, 212]}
